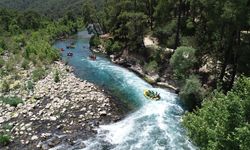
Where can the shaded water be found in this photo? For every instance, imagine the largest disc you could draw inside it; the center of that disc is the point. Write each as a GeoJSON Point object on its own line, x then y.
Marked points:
{"type": "Point", "coordinates": [153, 125]}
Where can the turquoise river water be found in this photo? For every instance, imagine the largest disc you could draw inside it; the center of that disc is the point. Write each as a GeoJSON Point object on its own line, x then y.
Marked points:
{"type": "Point", "coordinates": [152, 125]}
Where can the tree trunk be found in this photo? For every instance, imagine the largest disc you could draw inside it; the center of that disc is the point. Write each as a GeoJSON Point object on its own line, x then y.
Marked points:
{"type": "Point", "coordinates": [151, 15]}
{"type": "Point", "coordinates": [227, 54]}
{"type": "Point", "coordinates": [218, 55]}
{"type": "Point", "coordinates": [235, 62]}
{"type": "Point", "coordinates": [177, 38]}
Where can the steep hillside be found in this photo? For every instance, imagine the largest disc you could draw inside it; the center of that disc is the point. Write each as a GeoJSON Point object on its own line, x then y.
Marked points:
{"type": "Point", "coordinates": [53, 8]}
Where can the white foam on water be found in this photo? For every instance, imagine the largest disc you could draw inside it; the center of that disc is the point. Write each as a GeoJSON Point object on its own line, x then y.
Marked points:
{"type": "Point", "coordinates": [152, 127]}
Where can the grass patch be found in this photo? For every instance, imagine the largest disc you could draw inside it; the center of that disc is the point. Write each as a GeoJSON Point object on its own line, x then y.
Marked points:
{"type": "Point", "coordinates": [25, 64]}
{"type": "Point", "coordinates": [4, 139]}
{"type": "Point", "coordinates": [38, 74]}
{"type": "Point", "coordinates": [7, 127]}
{"type": "Point", "coordinates": [30, 85]}
{"type": "Point", "coordinates": [12, 101]}
{"type": "Point", "coordinates": [56, 76]}
{"type": "Point", "coordinates": [5, 86]}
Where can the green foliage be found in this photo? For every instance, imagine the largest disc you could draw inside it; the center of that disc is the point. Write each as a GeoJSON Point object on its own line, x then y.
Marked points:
{"type": "Point", "coordinates": [25, 64]}
{"type": "Point", "coordinates": [242, 136]}
{"type": "Point", "coordinates": [188, 41]}
{"type": "Point", "coordinates": [38, 74]}
{"type": "Point", "coordinates": [29, 20]}
{"type": "Point", "coordinates": [30, 85]}
{"type": "Point", "coordinates": [14, 29]}
{"type": "Point", "coordinates": [12, 45]}
{"type": "Point", "coordinates": [94, 41]}
{"type": "Point", "coordinates": [51, 8]}
{"type": "Point", "coordinates": [112, 47]}
{"type": "Point", "coordinates": [2, 62]}
{"type": "Point", "coordinates": [116, 47]}
{"type": "Point", "coordinates": [56, 76]}
{"type": "Point", "coordinates": [2, 43]}
{"type": "Point", "coordinates": [223, 120]}
{"type": "Point", "coordinates": [124, 20]}
{"type": "Point", "coordinates": [192, 93]}
{"type": "Point", "coordinates": [166, 33]}
{"type": "Point", "coordinates": [10, 65]}
{"type": "Point", "coordinates": [1, 50]}
{"type": "Point", "coordinates": [7, 127]}
{"type": "Point", "coordinates": [183, 61]}
{"type": "Point", "coordinates": [12, 101]}
{"type": "Point", "coordinates": [4, 139]}
{"type": "Point", "coordinates": [2, 72]}
{"type": "Point", "coordinates": [5, 86]}
{"type": "Point", "coordinates": [152, 66]}
{"type": "Point", "coordinates": [41, 49]}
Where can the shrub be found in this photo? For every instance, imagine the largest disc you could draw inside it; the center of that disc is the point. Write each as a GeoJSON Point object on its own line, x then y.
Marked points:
{"type": "Point", "coordinates": [7, 126]}
{"type": "Point", "coordinates": [12, 101]}
{"type": "Point", "coordinates": [1, 50]}
{"type": "Point", "coordinates": [170, 42]}
{"type": "Point", "coordinates": [157, 54]}
{"type": "Point", "coordinates": [25, 64]}
{"type": "Point", "coordinates": [3, 43]}
{"type": "Point", "coordinates": [10, 65]}
{"type": "Point", "coordinates": [56, 76]}
{"type": "Point", "coordinates": [4, 139]}
{"type": "Point", "coordinates": [151, 66]}
{"type": "Point", "coordinates": [41, 49]}
{"type": "Point", "coordinates": [12, 45]}
{"type": "Point", "coordinates": [3, 72]}
{"type": "Point", "coordinates": [182, 61]}
{"type": "Point", "coordinates": [30, 85]}
{"type": "Point", "coordinates": [2, 62]}
{"type": "Point", "coordinates": [108, 44]}
{"type": "Point", "coordinates": [192, 93]}
{"type": "Point", "coordinates": [94, 41]}
{"type": "Point", "coordinates": [112, 47]}
{"type": "Point", "coordinates": [116, 47]}
{"type": "Point", "coordinates": [166, 33]}
{"type": "Point", "coordinates": [38, 74]}
{"type": "Point", "coordinates": [188, 41]}
{"type": "Point", "coordinates": [5, 87]}
{"type": "Point", "coordinates": [20, 39]}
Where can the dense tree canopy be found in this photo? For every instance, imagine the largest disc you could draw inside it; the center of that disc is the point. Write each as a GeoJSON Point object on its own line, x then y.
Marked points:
{"type": "Point", "coordinates": [50, 8]}
{"type": "Point", "coordinates": [223, 121]}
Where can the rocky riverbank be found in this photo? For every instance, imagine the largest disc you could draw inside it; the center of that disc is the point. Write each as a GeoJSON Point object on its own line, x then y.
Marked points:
{"type": "Point", "coordinates": [132, 62]}
{"type": "Point", "coordinates": [58, 113]}
{"type": "Point", "coordinates": [162, 80]}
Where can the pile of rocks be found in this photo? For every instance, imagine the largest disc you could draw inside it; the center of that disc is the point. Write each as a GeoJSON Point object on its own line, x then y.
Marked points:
{"type": "Point", "coordinates": [59, 113]}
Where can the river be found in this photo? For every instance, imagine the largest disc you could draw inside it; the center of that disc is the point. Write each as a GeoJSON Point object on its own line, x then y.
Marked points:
{"type": "Point", "coordinates": [152, 125]}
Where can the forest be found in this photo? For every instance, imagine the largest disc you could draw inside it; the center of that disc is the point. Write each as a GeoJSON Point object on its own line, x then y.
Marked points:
{"type": "Point", "coordinates": [203, 46]}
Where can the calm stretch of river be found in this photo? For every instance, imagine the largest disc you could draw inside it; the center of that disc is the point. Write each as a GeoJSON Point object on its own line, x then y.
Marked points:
{"type": "Point", "coordinates": [153, 125]}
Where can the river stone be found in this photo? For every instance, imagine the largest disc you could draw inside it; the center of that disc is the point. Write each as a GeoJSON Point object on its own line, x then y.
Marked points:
{"type": "Point", "coordinates": [1, 120]}
{"type": "Point", "coordinates": [53, 118]}
{"type": "Point", "coordinates": [34, 137]}
{"type": "Point", "coordinates": [45, 147]}
{"type": "Point", "coordinates": [103, 113]}
{"type": "Point", "coordinates": [54, 141]}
